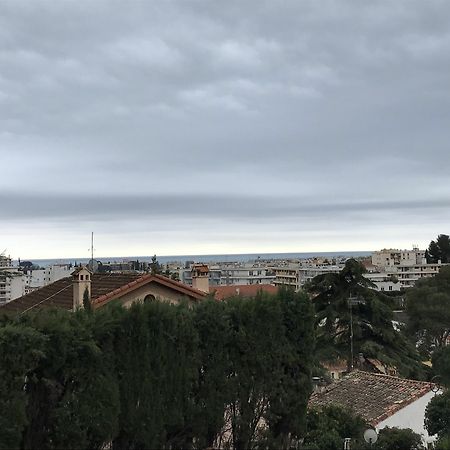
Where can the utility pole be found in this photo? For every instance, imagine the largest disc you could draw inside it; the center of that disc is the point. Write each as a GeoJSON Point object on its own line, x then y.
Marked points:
{"type": "Point", "coordinates": [356, 300]}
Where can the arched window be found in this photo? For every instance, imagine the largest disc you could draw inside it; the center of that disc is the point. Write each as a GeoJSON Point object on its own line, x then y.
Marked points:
{"type": "Point", "coordinates": [149, 298]}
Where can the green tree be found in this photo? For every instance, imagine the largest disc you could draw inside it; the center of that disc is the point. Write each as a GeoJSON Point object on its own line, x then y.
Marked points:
{"type": "Point", "coordinates": [398, 439]}
{"type": "Point", "coordinates": [437, 416]}
{"type": "Point", "coordinates": [72, 397]}
{"type": "Point", "coordinates": [157, 361]}
{"type": "Point", "coordinates": [155, 266]}
{"type": "Point", "coordinates": [441, 365]}
{"type": "Point", "coordinates": [442, 443]}
{"type": "Point", "coordinates": [328, 427]}
{"type": "Point", "coordinates": [288, 402]}
{"type": "Point", "coordinates": [255, 350]}
{"type": "Point", "coordinates": [428, 308]}
{"type": "Point", "coordinates": [86, 300]}
{"type": "Point", "coordinates": [212, 391]}
{"type": "Point", "coordinates": [21, 350]}
{"type": "Point", "coordinates": [439, 250]}
{"type": "Point", "coordinates": [346, 298]}
{"type": "Point", "coordinates": [158, 375]}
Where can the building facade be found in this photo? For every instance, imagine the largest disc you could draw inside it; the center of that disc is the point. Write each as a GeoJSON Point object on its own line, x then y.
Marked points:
{"type": "Point", "coordinates": [394, 269]}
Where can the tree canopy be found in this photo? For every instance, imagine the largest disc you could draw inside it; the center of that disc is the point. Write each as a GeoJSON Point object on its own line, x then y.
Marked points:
{"type": "Point", "coordinates": [428, 308]}
{"type": "Point", "coordinates": [441, 365]}
{"type": "Point", "coordinates": [235, 373]}
{"type": "Point", "coordinates": [346, 300]}
{"type": "Point", "coordinates": [398, 439]}
{"type": "Point", "coordinates": [439, 250]}
{"type": "Point", "coordinates": [437, 416]}
{"type": "Point", "coordinates": [329, 426]}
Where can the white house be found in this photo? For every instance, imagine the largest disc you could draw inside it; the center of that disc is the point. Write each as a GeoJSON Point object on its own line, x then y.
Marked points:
{"type": "Point", "coordinates": [382, 400]}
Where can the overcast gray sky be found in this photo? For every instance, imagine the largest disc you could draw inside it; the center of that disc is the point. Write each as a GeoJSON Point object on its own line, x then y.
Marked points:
{"type": "Point", "coordinates": [176, 127]}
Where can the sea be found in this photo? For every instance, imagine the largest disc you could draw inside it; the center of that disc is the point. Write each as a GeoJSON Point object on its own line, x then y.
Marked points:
{"type": "Point", "coordinates": [238, 257]}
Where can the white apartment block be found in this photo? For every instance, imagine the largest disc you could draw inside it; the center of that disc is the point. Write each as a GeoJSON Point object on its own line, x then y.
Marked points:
{"type": "Point", "coordinates": [226, 274]}
{"type": "Point", "coordinates": [297, 275]}
{"type": "Point", "coordinates": [12, 281]}
{"type": "Point", "coordinates": [15, 283]}
{"type": "Point", "coordinates": [42, 277]}
{"type": "Point", "coordinates": [406, 266]}
{"type": "Point", "coordinates": [392, 270]}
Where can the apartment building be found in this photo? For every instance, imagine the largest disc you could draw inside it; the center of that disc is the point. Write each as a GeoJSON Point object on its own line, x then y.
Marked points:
{"type": "Point", "coordinates": [16, 281]}
{"type": "Point", "coordinates": [406, 266]}
{"type": "Point", "coordinates": [296, 275]}
{"type": "Point", "coordinates": [12, 280]}
{"type": "Point", "coordinates": [227, 274]}
{"type": "Point", "coordinates": [43, 277]}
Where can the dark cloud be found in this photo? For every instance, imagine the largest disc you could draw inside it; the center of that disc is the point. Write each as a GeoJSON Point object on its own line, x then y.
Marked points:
{"type": "Point", "coordinates": [221, 207]}
{"type": "Point", "coordinates": [278, 111]}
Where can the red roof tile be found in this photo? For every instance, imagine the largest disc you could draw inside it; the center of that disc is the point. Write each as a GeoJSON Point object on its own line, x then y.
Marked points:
{"type": "Point", "coordinates": [374, 397]}
{"type": "Point", "coordinates": [104, 288]}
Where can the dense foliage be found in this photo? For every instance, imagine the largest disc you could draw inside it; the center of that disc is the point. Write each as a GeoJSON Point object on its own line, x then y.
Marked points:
{"type": "Point", "coordinates": [346, 298]}
{"type": "Point", "coordinates": [398, 439]}
{"type": "Point", "coordinates": [428, 308]}
{"type": "Point", "coordinates": [437, 416]}
{"type": "Point", "coordinates": [329, 426]}
{"type": "Point", "coordinates": [235, 374]}
{"type": "Point", "coordinates": [441, 366]}
{"type": "Point", "coordinates": [439, 250]}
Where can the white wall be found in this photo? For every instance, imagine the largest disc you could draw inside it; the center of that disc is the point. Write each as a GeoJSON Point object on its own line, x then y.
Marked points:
{"type": "Point", "coordinates": [411, 416]}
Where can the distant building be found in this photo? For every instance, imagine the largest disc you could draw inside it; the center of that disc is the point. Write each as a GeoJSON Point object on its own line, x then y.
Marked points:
{"type": "Point", "coordinates": [16, 281]}
{"type": "Point", "coordinates": [228, 274]}
{"type": "Point", "coordinates": [297, 275]}
{"type": "Point", "coordinates": [13, 283]}
{"type": "Point", "coordinates": [393, 269]}
{"type": "Point", "coordinates": [389, 270]}
{"type": "Point", "coordinates": [381, 400]}
{"type": "Point", "coordinates": [42, 277]}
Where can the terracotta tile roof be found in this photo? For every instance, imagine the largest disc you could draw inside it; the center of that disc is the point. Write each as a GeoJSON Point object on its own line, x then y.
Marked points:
{"type": "Point", "coordinates": [200, 268]}
{"type": "Point", "coordinates": [243, 290]}
{"type": "Point", "coordinates": [104, 288]}
{"type": "Point", "coordinates": [374, 397]}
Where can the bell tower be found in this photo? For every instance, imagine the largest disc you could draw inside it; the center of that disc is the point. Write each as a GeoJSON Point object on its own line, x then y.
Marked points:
{"type": "Point", "coordinates": [81, 281]}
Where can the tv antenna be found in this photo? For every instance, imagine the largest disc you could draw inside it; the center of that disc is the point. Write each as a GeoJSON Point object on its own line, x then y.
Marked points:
{"type": "Point", "coordinates": [92, 251]}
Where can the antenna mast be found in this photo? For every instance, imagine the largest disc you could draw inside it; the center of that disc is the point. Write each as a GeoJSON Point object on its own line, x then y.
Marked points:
{"type": "Point", "coordinates": [92, 251]}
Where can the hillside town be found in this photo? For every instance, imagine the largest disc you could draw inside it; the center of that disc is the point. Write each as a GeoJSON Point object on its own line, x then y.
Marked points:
{"type": "Point", "coordinates": [224, 225]}
{"type": "Point", "coordinates": [389, 270]}
{"type": "Point", "coordinates": [389, 388]}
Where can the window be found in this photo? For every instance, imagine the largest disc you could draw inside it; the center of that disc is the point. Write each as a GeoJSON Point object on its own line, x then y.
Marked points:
{"type": "Point", "coordinates": [149, 298]}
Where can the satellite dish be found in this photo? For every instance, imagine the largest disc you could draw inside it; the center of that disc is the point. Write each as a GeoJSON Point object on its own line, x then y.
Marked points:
{"type": "Point", "coordinates": [370, 436]}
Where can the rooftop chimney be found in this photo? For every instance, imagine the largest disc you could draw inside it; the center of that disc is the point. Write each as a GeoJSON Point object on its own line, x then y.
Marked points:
{"type": "Point", "coordinates": [200, 277]}
{"type": "Point", "coordinates": [81, 281]}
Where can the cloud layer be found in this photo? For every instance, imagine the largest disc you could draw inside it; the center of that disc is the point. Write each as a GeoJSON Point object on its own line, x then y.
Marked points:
{"type": "Point", "coordinates": [255, 123]}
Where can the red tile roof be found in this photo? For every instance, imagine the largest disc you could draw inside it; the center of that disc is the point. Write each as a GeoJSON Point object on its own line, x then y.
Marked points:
{"type": "Point", "coordinates": [104, 288]}
{"type": "Point", "coordinates": [374, 397]}
{"type": "Point", "coordinates": [243, 290]}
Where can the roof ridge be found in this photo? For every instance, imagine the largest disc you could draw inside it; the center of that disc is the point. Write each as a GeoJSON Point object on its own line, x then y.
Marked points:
{"type": "Point", "coordinates": [383, 375]}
